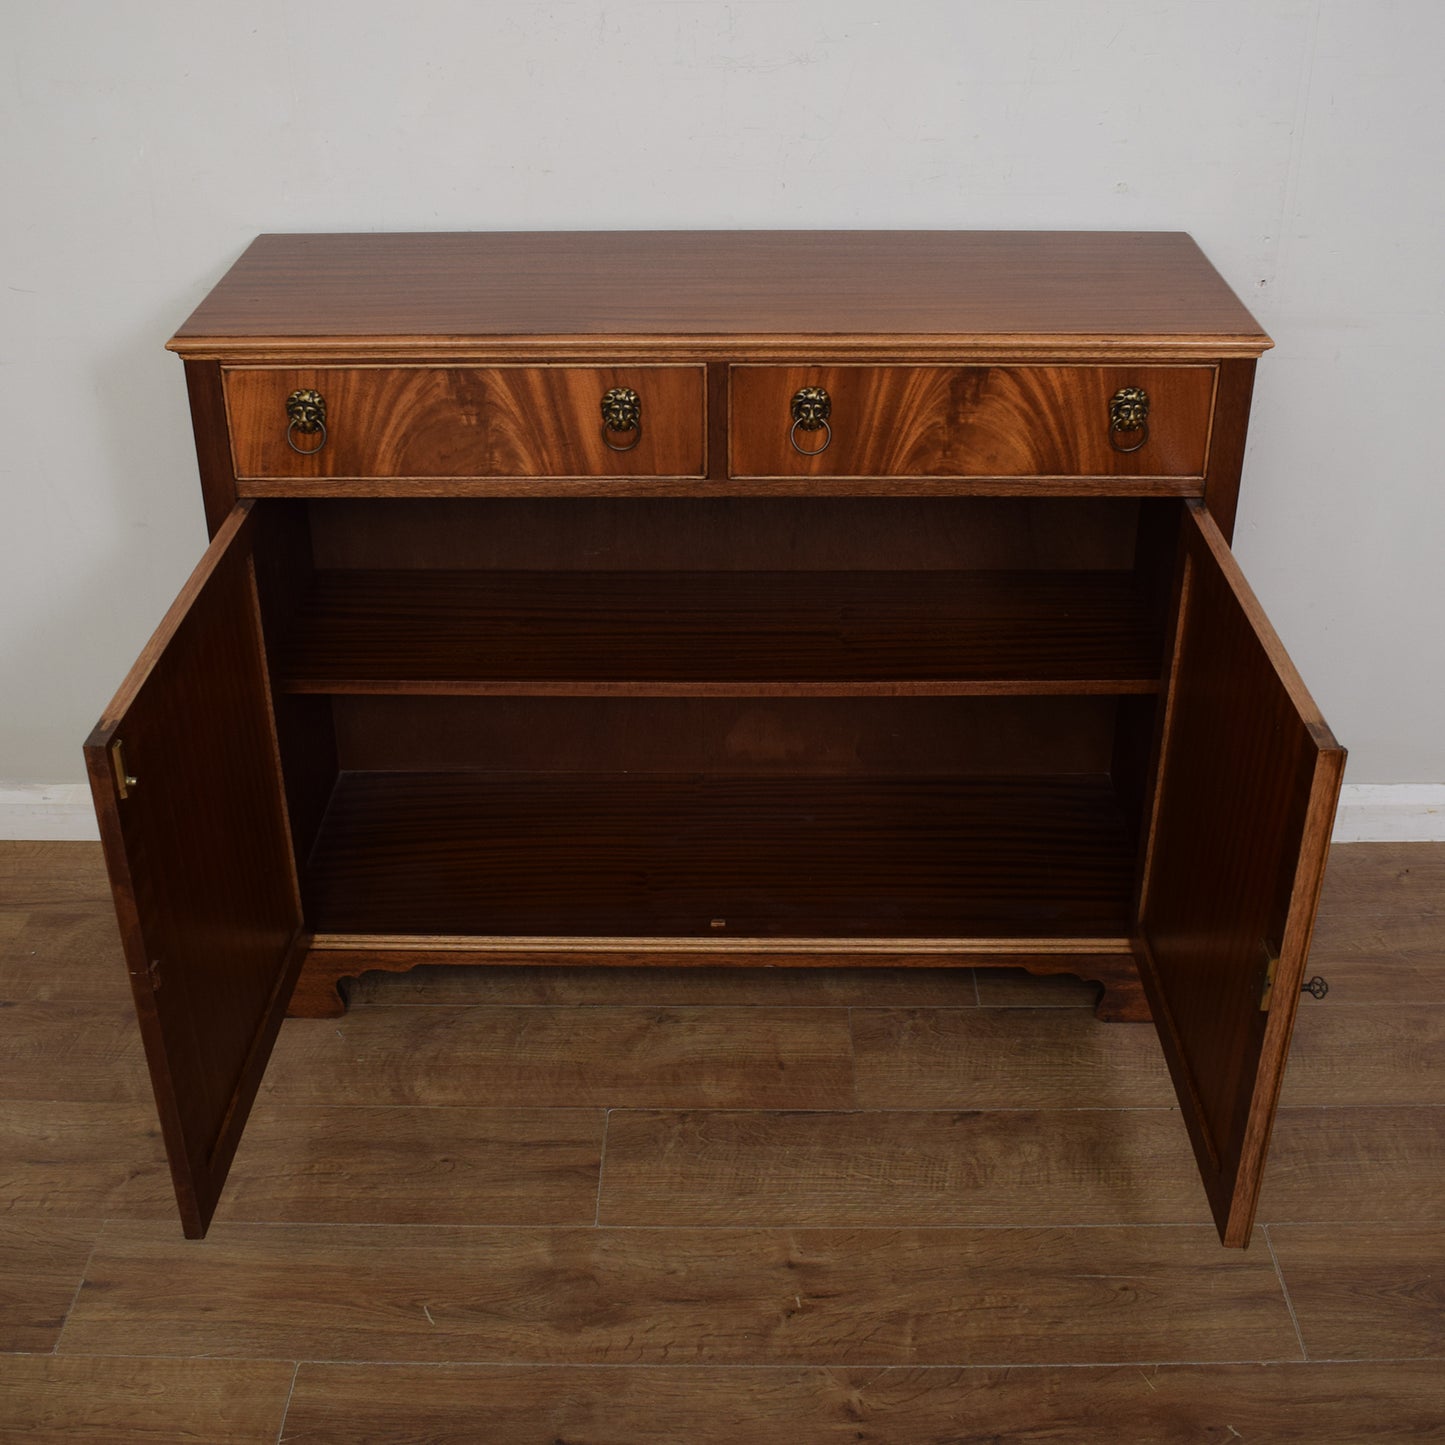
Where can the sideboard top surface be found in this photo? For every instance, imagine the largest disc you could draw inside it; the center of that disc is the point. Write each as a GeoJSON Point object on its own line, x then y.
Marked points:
{"type": "Point", "coordinates": [734, 292]}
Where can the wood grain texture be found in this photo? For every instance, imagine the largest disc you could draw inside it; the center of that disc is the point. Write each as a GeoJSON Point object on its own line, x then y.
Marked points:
{"type": "Point", "coordinates": [1228, 429]}
{"type": "Point", "coordinates": [42, 1262]}
{"type": "Point", "coordinates": [683, 1297]}
{"type": "Point", "coordinates": [65, 953]}
{"type": "Point", "coordinates": [785, 736]}
{"type": "Point", "coordinates": [353, 1163]}
{"type": "Point", "coordinates": [35, 874]}
{"type": "Point", "coordinates": [336, 962]}
{"type": "Point", "coordinates": [200, 861]}
{"type": "Point", "coordinates": [1377, 936]}
{"type": "Point", "coordinates": [714, 291]}
{"type": "Point", "coordinates": [1384, 1284]}
{"type": "Point", "coordinates": [1355, 1166]}
{"type": "Point", "coordinates": [448, 986]}
{"type": "Point", "coordinates": [1120, 997]}
{"type": "Point", "coordinates": [1013, 988]}
{"type": "Point", "coordinates": [671, 489]}
{"type": "Point", "coordinates": [1055, 1167]}
{"type": "Point", "coordinates": [1003, 1059]}
{"type": "Point", "coordinates": [734, 634]}
{"type": "Point", "coordinates": [213, 450]}
{"type": "Point", "coordinates": [1367, 1054]}
{"type": "Point", "coordinates": [305, 728]}
{"type": "Point", "coordinates": [386, 422]}
{"type": "Point", "coordinates": [1284, 1404]}
{"type": "Point", "coordinates": [654, 1057]}
{"type": "Point", "coordinates": [976, 421]}
{"type": "Point", "coordinates": [40, 1060]}
{"type": "Point", "coordinates": [706, 533]}
{"type": "Point", "coordinates": [864, 983]}
{"type": "Point", "coordinates": [480, 854]}
{"type": "Point", "coordinates": [1350, 1173]}
{"type": "Point", "coordinates": [1249, 775]}
{"type": "Point", "coordinates": [52, 1400]}
{"type": "Point", "coordinates": [84, 1160]}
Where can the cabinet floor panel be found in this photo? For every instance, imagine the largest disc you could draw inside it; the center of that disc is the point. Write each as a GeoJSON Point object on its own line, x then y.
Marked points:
{"type": "Point", "coordinates": [735, 633]}
{"type": "Point", "coordinates": [559, 855]}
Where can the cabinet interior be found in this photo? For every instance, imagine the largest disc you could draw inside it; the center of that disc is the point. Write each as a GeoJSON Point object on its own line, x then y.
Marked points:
{"type": "Point", "coordinates": [792, 719]}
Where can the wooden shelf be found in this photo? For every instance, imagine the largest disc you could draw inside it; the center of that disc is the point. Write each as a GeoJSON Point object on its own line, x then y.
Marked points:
{"type": "Point", "coordinates": [722, 633]}
{"type": "Point", "coordinates": [621, 855]}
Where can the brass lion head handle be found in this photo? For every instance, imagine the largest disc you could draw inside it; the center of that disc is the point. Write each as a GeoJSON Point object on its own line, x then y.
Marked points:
{"type": "Point", "coordinates": [811, 408]}
{"type": "Point", "coordinates": [307, 413]}
{"type": "Point", "coordinates": [621, 412]}
{"type": "Point", "coordinates": [1129, 412]}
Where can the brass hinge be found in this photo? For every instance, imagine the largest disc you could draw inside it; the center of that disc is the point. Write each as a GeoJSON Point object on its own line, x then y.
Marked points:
{"type": "Point", "coordinates": [1271, 967]}
{"type": "Point", "coordinates": [124, 779]}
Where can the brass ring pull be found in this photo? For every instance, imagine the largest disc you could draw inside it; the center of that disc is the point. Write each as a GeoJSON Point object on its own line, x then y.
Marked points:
{"type": "Point", "coordinates": [1143, 437]}
{"type": "Point", "coordinates": [305, 431]}
{"type": "Point", "coordinates": [811, 408]}
{"type": "Point", "coordinates": [1129, 412]}
{"type": "Point", "coordinates": [612, 446]}
{"type": "Point", "coordinates": [621, 412]}
{"type": "Point", "coordinates": [307, 411]}
{"type": "Point", "coordinates": [814, 451]}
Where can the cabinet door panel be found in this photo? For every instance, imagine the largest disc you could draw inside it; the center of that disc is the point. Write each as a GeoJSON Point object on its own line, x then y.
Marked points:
{"type": "Point", "coordinates": [1249, 777]}
{"type": "Point", "coordinates": [186, 780]}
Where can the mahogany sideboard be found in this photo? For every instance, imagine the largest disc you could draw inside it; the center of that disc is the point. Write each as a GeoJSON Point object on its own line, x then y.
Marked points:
{"type": "Point", "coordinates": [747, 598]}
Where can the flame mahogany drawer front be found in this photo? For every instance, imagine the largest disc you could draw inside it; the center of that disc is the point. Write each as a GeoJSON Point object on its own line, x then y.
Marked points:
{"type": "Point", "coordinates": [460, 421]}
{"type": "Point", "coordinates": [969, 421]}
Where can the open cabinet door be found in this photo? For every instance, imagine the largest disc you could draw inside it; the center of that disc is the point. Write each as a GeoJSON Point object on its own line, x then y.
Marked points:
{"type": "Point", "coordinates": [187, 784]}
{"type": "Point", "coordinates": [1248, 780]}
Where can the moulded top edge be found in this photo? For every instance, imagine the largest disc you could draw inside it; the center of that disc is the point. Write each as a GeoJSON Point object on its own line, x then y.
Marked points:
{"type": "Point", "coordinates": [1090, 289]}
{"type": "Point", "coordinates": [281, 350]}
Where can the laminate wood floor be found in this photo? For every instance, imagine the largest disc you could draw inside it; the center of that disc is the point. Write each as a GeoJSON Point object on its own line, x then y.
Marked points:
{"type": "Point", "coordinates": [598, 1207]}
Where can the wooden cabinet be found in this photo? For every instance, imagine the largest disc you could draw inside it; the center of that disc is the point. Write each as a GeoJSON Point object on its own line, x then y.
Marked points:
{"type": "Point", "coordinates": [742, 598]}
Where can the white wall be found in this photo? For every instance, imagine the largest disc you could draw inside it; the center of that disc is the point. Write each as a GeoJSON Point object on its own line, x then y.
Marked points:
{"type": "Point", "coordinates": [145, 141]}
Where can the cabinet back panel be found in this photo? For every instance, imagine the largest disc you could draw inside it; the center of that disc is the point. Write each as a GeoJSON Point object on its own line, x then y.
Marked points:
{"type": "Point", "coordinates": [784, 737]}
{"type": "Point", "coordinates": [723, 534]}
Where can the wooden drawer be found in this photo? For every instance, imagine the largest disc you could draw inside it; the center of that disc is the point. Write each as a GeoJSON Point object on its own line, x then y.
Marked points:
{"type": "Point", "coordinates": [424, 421]}
{"type": "Point", "coordinates": [969, 421]}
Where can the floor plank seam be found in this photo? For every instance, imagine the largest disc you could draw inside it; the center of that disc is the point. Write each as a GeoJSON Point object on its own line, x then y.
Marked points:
{"type": "Point", "coordinates": [490, 1005]}
{"type": "Point", "coordinates": [853, 1064]}
{"type": "Point", "coordinates": [1413, 1108]}
{"type": "Point", "coordinates": [286, 1408]}
{"type": "Point", "coordinates": [601, 1167]}
{"type": "Point", "coordinates": [680, 1366]}
{"type": "Point", "coordinates": [1202, 1224]}
{"type": "Point", "coordinates": [1122, 1363]}
{"type": "Point", "coordinates": [960, 1108]}
{"type": "Point", "coordinates": [84, 1273]}
{"type": "Point", "coordinates": [1284, 1290]}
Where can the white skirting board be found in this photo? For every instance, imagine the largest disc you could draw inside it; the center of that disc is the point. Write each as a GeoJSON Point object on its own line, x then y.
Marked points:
{"type": "Point", "coordinates": [1391, 813]}
{"type": "Point", "coordinates": [1369, 812]}
{"type": "Point", "coordinates": [47, 811]}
